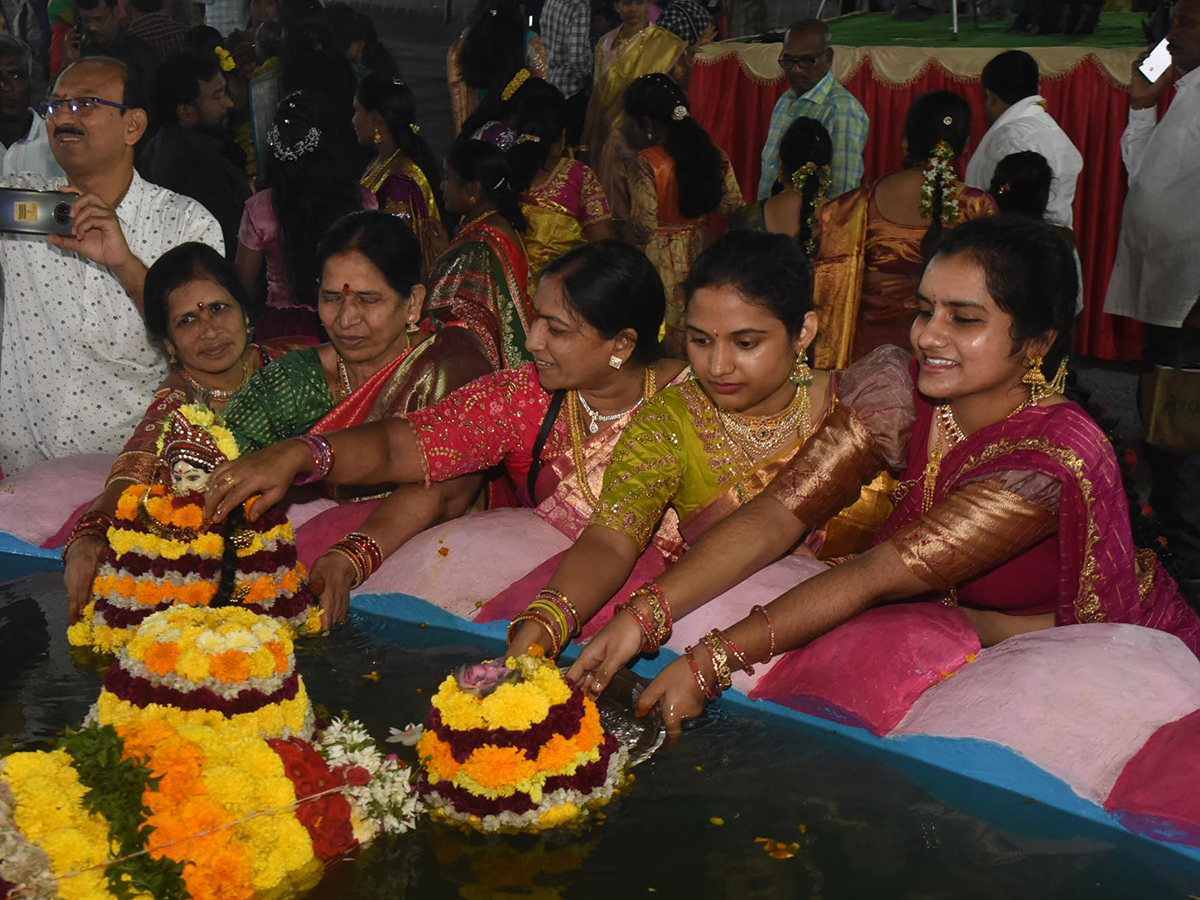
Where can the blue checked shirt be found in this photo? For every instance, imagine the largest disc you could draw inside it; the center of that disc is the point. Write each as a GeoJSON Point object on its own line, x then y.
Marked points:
{"type": "Point", "coordinates": [567, 33]}
{"type": "Point", "coordinates": [685, 18]}
{"type": "Point", "coordinates": [843, 117]}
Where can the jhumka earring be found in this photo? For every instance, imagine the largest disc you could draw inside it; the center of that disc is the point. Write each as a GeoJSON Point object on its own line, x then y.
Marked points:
{"type": "Point", "coordinates": [801, 373]}
{"type": "Point", "coordinates": [174, 359]}
{"type": "Point", "coordinates": [1036, 379]}
{"type": "Point", "coordinates": [411, 327]}
{"type": "Point", "coordinates": [378, 139]}
{"type": "Point", "coordinates": [615, 361]}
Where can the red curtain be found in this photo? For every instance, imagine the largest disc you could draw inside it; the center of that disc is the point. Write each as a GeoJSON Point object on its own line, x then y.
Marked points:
{"type": "Point", "coordinates": [736, 110]}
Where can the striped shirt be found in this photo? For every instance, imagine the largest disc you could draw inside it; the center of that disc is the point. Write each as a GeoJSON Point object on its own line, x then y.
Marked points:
{"type": "Point", "coordinates": [843, 117]}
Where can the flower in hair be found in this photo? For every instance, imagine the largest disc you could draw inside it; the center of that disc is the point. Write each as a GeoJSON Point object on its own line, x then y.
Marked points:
{"type": "Point", "coordinates": [679, 113]}
{"type": "Point", "coordinates": [311, 139]}
{"type": "Point", "coordinates": [224, 59]}
{"type": "Point", "coordinates": [940, 174]}
{"type": "Point", "coordinates": [517, 80]}
{"type": "Point", "coordinates": [799, 180]}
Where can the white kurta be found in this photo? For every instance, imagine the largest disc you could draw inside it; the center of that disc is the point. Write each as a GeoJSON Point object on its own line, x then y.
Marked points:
{"type": "Point", "coordinates": [1156, 276]}
{"type": "Point", "coordinates": [1027, 126]}
{"type": "Point", "coordinates": [77, 367]}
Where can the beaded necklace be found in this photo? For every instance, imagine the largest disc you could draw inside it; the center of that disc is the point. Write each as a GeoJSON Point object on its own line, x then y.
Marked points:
{"type": "Point", "coordinates": [207, 395]}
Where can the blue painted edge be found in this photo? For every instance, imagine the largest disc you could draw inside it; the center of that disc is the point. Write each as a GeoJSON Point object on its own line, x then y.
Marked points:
{"type": "Point", "coordinates": [17, 547]}
{"type": "Point", "coordinates": [981, 761]}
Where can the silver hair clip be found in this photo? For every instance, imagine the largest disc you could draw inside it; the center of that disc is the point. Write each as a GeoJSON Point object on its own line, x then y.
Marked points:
{"type": "Point", "coordinates": [290, 154]}
{"type": "Point", "coordinates": [948, 120]}
{"type": "Point", "coordinates": [679, 113]}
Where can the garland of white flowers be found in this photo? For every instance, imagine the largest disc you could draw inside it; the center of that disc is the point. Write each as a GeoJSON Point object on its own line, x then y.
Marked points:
{"type": "Point", "coordinates": [939, 173]}
{"type": "Point", "coordinates": [798, 180]}
{"type": "Point", "coordinates": [387, 802]}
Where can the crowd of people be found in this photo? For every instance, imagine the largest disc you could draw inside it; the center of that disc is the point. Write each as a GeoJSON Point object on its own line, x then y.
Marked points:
{"type": "Point", "coordinates": [576, 311]}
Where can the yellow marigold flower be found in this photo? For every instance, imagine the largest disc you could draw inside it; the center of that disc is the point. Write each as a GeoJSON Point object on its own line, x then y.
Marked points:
{"type": "Point", "coordinates": [262, 664]}
{"type": "Point", "coordinates": [193, 665]}
{"type": "Point", "coordinates": [558, 815]}
{"type": "Point", "coordinates": [515, 706]}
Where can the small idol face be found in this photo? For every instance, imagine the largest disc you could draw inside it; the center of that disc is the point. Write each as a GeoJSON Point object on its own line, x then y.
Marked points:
{"type": "Point", "coordinates": [187, 478]}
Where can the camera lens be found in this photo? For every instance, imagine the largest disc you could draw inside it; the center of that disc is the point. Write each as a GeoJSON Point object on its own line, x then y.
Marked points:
{"type": "Point", "coordinates": [62, 213]}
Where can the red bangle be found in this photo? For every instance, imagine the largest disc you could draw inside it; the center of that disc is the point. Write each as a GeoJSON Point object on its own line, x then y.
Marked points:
{"type": "Point", "coordinates": [698, 675]}
{"type": "Point", "coordinates": [94, 522]}
{"type": "Point", "coordinates": [770, 633]}
{"type": "Point", "coordinates": [650, 645]}
{"type": "Point", "coordinates": [737, 653]}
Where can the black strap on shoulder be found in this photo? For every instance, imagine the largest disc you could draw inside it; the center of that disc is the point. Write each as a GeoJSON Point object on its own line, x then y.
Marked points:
{"type": "Point", "coordinates": [535, 467]}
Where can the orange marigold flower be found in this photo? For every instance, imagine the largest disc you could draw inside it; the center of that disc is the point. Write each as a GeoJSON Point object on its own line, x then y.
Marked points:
{"type": "Point", "coordinates": [439, 756]}
{"type": "Point", "coordinates": [281, 657]}
{"type": "Point", "coordinates": [160, 658]}
{"type": "Point", "coordinates": [496, 768]}
{"type": "Point", "coordinates": [231, 666]}
{"type": "Point", "coordinates": [262, 589]}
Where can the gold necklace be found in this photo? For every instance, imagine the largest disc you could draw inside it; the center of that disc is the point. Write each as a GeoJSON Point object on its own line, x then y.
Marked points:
{"type": "Point", "coordinates": [760, 437]}
{"type": "Point", "coordinates": [378, 170]}
{"type": "Point", "coordinates": [949, 432]}
{"type": "Point", "coordinates": [207, 395]}
{"type": "Point", "coordinates": [342, 391]}
{"type": "Point", "coordinates": [575, 427]}
{"type": "Point", "coordinates": [471, 223]}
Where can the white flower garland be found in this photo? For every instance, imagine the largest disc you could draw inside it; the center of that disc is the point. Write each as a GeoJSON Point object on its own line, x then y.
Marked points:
{"type": "Point", "coordinates": [387, 804]}
{"type": "Point", "coordinates": [939, 170]}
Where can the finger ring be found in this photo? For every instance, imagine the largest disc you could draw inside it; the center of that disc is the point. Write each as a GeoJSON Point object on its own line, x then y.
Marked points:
{"type": "Point", "coordinates": [229, 480]}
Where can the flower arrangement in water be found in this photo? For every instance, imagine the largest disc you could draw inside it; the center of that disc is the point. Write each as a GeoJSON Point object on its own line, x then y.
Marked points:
{"type": "Point", "coordinates": [218, 813]}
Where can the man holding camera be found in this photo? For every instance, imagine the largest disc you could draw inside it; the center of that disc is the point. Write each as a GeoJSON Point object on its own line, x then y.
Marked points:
{"type": "Point", "coordinates": [76, 365]}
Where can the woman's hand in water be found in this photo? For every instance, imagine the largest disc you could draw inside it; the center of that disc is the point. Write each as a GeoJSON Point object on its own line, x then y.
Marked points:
{"type": "Point", "coordinates": [330, 581]}
{"type": "Point", "coordinates": [616, 644]}
{"type": "Point", "coordinates": [676, 694]}
{"type": "Point", "coordinates": [82, 561]}
{"type": "Point", "coordinates": [269, 472]}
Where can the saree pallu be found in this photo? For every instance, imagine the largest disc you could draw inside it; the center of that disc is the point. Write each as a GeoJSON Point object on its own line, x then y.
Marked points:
{"type": "Point", "coordinates": [481, 282]}
{"type": "Point", "coordinates": [402, 189]}
{"type": "Point", "coordinates": [618, 64]}
{"type": "Point", "coordinates": [138, 460]}
{"type": "Point", "coordinates": [675, 240]}
{"type": "Point", "coordinates": [557, 211]}
{"type": "Point", "coordinates": [866, 274]}
{"type": "Point", "coordinates": [1091, 572]}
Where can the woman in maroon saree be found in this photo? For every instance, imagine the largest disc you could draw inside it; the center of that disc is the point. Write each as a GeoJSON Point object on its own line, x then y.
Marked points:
{"type": "Point", "coordinates": [1011, 505]}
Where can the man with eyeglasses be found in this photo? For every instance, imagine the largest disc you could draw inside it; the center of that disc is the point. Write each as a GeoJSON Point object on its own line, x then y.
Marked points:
{"type": "Point", "coordinates": [76, 365]}
{"type": "Point", "coordinates": [807, 62]}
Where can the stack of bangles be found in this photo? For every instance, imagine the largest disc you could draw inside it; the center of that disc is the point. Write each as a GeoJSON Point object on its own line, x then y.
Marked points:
{"type": "Point", "coordinates": [322, 452]}
{"type": "Point", "coordinates": [656, 627]}
{"type": "Point", "coordinates": [92, 523]}
{"type": "Point", "coordinates": [362, 551]}
{"type": "Point", "coordinates": [720, 648]}
{"type": "Point", "coordinates": [554, 612]}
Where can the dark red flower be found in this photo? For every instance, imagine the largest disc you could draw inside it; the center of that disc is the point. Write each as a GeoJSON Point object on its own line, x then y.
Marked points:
{"type": "Point", "coordinates": [357, 776]}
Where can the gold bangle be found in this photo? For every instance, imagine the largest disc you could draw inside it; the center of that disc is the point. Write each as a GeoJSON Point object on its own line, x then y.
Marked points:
{"type": "Point", "coordinates": [359, 577]}
{"type": "Point", "coordinates": [720, 657]}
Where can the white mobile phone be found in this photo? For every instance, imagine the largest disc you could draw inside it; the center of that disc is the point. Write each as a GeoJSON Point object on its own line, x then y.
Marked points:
{"type": "Point", "coordinates": [1157, 62]}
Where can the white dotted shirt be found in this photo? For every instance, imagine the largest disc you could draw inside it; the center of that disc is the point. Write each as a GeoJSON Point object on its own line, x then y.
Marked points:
{"type": "Point", "coordinates": [77, 367]}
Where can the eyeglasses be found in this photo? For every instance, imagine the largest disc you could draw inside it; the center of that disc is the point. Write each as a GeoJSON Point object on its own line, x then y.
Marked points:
{"type": "Point", "coordinates": [80, 106]}
{"type": "Point", "coordinates": [800, 62]}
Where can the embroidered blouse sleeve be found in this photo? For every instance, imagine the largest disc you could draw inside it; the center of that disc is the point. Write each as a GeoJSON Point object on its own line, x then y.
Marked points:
{"type": "Point", "coordinates": [138, 461]}
{"type": "Point", "coordinates": [477, 426]}
{"type": "Point", "coordinates": [867, 430]}
{"type": "Point", "coordinates": [731, 198]}
{"type": "Point", "coordinates": [593, 205]}
{"type": "Point", "coordinates": [644, 474]}
{"type": "Point", "coordinates": [978, 526]}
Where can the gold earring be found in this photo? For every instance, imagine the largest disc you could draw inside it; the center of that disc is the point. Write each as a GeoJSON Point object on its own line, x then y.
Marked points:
{"type": "Point", "coordinates": [801, 373]}
{"type": "Point", "coordinates": [615, 361]}
{"type": "Point", "coordinates": [411, 327]}
{"type": "Point", "coordinates": [1059, 384]}
{"type": "Point", "coordinates": [174, 358]}
{"type": "Point", "coordinates": [1036, 379]}
{"type": "Point", "coordinates": [378, 138]}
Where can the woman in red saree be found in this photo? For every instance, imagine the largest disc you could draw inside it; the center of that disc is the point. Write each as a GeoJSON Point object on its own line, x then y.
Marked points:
{"type": "Point", "coordinates": [480, 279]}
{"type": "Point", "coordinates": [1012, 503]}
{"type": "Point", "coordinates": [597, 358]}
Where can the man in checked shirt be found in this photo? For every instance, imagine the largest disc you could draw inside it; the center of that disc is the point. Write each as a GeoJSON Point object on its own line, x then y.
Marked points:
{"type": "Point", "coordinates": [567, 34]}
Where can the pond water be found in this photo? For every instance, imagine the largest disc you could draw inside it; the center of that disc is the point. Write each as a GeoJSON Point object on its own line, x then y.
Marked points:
{"type": "Point", "coordinates": [687, 826]}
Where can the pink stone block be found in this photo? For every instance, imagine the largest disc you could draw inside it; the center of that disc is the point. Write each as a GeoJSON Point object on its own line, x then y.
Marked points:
{"type": "Point", "coordinates": [1157, 793]}
{"type": "Point", "coordinates": [470, 560]}
{"type": "Point", "coordinates": [1078, 701]}
{"type": "Point", "coordinates": [870, 671]}
{"type": "Point", "coordinates": [36, 502]}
